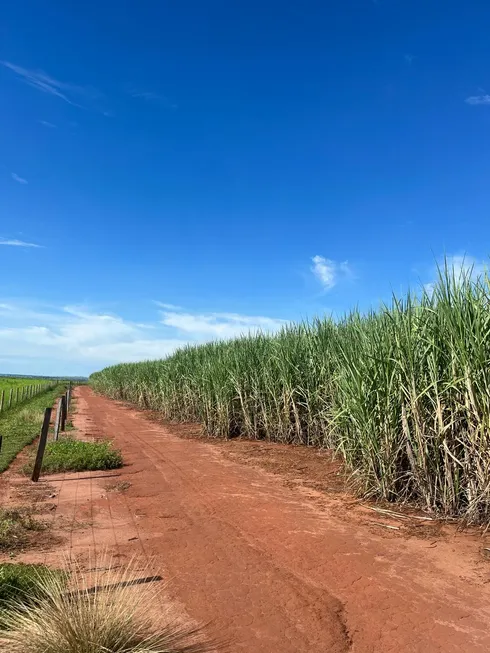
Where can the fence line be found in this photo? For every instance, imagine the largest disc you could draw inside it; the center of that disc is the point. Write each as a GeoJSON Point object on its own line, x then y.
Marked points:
{"type": "Point", "coordinates": [21, 394]}
{"type": "Point", "coordinates": [63, 405]}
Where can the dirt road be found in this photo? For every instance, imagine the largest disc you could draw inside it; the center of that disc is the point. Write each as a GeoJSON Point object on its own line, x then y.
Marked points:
{"type": "Point", "coordinates": [272, 570]}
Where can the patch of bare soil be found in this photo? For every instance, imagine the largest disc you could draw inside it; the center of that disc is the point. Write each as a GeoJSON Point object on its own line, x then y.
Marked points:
{"type": "Point", "coordinates": [315, 473]}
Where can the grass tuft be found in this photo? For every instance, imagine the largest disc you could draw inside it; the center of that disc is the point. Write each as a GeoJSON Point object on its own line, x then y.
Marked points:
{"type": "Point", "coordinates": [68, 455]}
{"type": "Point", "coordinates": [20, 583]}
{"type": "Point", "coordinates": [115, 617]}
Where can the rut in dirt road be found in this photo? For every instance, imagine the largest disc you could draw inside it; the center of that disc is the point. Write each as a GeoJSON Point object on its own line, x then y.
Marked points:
{"type": "Point", "coordinates": [269, 569]}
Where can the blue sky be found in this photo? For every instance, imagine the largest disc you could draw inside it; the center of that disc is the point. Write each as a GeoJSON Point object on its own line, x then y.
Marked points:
{"type": "Point", "coordinates": [180, 171]}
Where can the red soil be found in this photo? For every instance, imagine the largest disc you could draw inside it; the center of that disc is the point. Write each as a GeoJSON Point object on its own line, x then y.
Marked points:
{"type": "Point", "coordinates": [271, 561]}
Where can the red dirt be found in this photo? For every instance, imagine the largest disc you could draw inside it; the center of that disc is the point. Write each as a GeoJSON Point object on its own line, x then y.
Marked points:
{"type": "Point", "coordinates": [272, 561]}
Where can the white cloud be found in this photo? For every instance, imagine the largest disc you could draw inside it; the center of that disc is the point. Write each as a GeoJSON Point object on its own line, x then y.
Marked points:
{"type": "Point", "coordinates": [67, 92]}
{"type": "Point", "coordinates": [324, 270]}
{"type": "Point", "coordinates": [40, 80]}
{"type": "Point", "coordinates": [170, 307]}
{"type": "Point", "coordinates": [13, 242]}
{"type": "Point", "coordinates": [47, 124]}
{"type": "Point", "coordinates": [219, 325]}
{"type": "Point", "coordinates": [16, 177]}
{"type": "Point", "coordinates": [329, 272]}
{"type": "Point", "coordinates": [77, 340]}
{"type": "Point", "coordinates": [478, 99]}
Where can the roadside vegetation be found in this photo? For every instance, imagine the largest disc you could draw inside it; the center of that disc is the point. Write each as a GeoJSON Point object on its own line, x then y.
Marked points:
{"type": "Point", "coordinates": [402, 393]}
{"type": "Point", "coordinates": [21, 425]}
{"type": "Point", "coordinates": [17, 390]}
{"type": "Point", "coordinates": [16, 528]}
{"type": "Point", "coordinates": [22, 584]}
{"type": "Point", "coordinates": [17, 381]}
{"type": "Point", "coordinates": [69, 455]}
{"type": "Point", "coordinates": [105, 612]}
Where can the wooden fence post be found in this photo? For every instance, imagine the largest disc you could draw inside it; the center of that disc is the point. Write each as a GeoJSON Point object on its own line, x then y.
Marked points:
{"type": "Point", "coordinates": [57, 420]}
{"type": "Point", "coordinates": [2, 398]}
{"type": "Point", "coordinates": [10, 396]}
{"type": "Point", "coordinates": [42, 445]}
{"type": "Point", "coordinates": [63, 413]}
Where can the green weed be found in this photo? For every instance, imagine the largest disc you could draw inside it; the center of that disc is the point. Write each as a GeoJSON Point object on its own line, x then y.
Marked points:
{"type": "Point", "coordinates": [68, 455]}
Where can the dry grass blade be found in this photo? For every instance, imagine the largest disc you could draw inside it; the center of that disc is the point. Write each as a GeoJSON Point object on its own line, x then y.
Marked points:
{"type": "Point", "coordinates": [391, 528]}
{"type": "Point", "coordinates": [398, 515]}
{"type": "Point", "coordinates": [119, 616]}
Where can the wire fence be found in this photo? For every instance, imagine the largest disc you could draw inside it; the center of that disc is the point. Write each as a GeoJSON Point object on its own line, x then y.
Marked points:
{"type": "Point", "coordinates": [17, 395]}
{"type": "Point", "coordinates": [62, 408]}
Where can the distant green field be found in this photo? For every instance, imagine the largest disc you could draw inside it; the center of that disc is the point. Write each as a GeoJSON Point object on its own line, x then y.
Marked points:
{"type": "Point", "coordinates": [13, 382]}
{"type": "Point", "coordinates": [20, 424]}
{"type": "Point", "coordinates": [17, 390]}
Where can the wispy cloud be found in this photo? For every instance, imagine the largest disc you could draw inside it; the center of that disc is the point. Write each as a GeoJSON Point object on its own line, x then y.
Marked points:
{"type": "Point", "coordinates": [47, 124]}
{"type": "Point", "coordinates": [43, 82]}
{"type": "Point", "coordinates": [329, 272]}
{"type": "Point", "coordinates": [219, 325]}
{"type": "Point", "coordinates": [65, 91]}
{"type": "Point", "coordinates": [409, 58]}
{"type": "Point", "coordinates": [13, 242]}
{"type": "Point", "coordinates": [156, 98]}
{"type": "Point", "coordinates": [63, 339]}
{"type": "Point", "coordinates": [170, 307]}
{"type": "Point", "coordinates": [16, 177]}
{"type": "Point", "coordinates": [478, 100]}
{"type": "Point", "coordinates": [77, 340]}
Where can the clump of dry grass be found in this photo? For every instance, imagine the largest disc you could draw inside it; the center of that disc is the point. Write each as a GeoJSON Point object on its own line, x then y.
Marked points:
{"type": "Point", "coordinates": [122, 486]}
{"type": "Point", "coordinates": [102, 613]}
